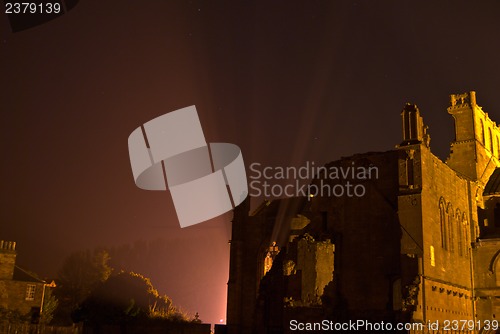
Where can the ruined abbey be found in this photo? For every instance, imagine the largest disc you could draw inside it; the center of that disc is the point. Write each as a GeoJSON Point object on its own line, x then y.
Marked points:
{"type": "Point", "coordinates": [421, 245]}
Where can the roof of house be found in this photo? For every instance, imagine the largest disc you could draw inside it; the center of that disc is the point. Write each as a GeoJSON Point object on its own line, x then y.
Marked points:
{"type": "Point", "coordinates": [25, 276]}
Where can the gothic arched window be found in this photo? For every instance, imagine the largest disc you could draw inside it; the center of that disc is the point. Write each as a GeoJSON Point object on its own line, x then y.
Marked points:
{"type": "Point", "coordinates": [442, 222]}
{"type": "Point", "coordinates": [481, 134]}
{"type": "Point", "coordinates": [466, 232]}
{"type": "Point", "coordinates": [498, 148]}
{"type": "Point", "coordinates": [451, 220]}
{"type": "Point", "coordinates": [491, 141]}
{"type": "Point", "coordinates": [497, 272]}
{"type": "Point", "coordinates": [460, 229]}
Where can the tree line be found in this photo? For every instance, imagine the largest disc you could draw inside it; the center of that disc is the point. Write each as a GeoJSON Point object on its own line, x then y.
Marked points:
{"type": "Point", "coordinates": [90, 290]}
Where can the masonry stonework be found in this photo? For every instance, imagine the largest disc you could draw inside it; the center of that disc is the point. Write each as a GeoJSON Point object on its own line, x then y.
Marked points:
{"type": "Point", "coordinates": [422, 244]}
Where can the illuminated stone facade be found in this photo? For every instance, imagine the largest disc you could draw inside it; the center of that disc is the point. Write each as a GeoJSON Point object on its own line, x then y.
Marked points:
{"type": "Point", "coordinates": [422, 244]}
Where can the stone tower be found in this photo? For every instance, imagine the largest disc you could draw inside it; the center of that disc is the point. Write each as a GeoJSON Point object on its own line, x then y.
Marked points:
{"type": "Point", "coordinates": [475, 150]}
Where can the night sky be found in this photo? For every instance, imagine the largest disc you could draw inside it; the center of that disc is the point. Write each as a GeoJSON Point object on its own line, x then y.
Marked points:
{"type": "Point", "coordinates": [286, 81]}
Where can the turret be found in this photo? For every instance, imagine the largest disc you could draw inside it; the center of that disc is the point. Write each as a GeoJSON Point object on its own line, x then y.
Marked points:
{"type": "Point", "coordinates": [414, 129]}
{"type": "Point", "coordinates": [474, 152]}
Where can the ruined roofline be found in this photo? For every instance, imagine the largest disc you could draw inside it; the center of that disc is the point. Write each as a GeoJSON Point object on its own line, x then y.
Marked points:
{"type": "Point", "coordinates": [273, 204]}
{"type": "Point", "coordinates": [356, 156]}
{"type": "Point", "coordinates": [415, 133]}
{"type": "Point", "coordinates": [468, 101]}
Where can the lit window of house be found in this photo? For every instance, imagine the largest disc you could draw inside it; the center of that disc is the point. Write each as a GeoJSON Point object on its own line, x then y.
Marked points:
{"type": "Point", "coordinates": [30, 292]}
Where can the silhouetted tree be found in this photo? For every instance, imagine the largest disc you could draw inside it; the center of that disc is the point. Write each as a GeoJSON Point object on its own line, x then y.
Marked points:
{"type": "Point", "coordinates": [50, 303]}
{"type": "Point", "coordinates": [126, 297]}
{"type": "Point", "coordinates": [80, 273]}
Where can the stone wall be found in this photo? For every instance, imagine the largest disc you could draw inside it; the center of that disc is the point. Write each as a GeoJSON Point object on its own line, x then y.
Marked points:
{"type": "Point", "coordinates": [13, 295]}
{"type": "Point", "coordinates": [487, 278]}
{"type": "Point", "coordinates": [366, 234]}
